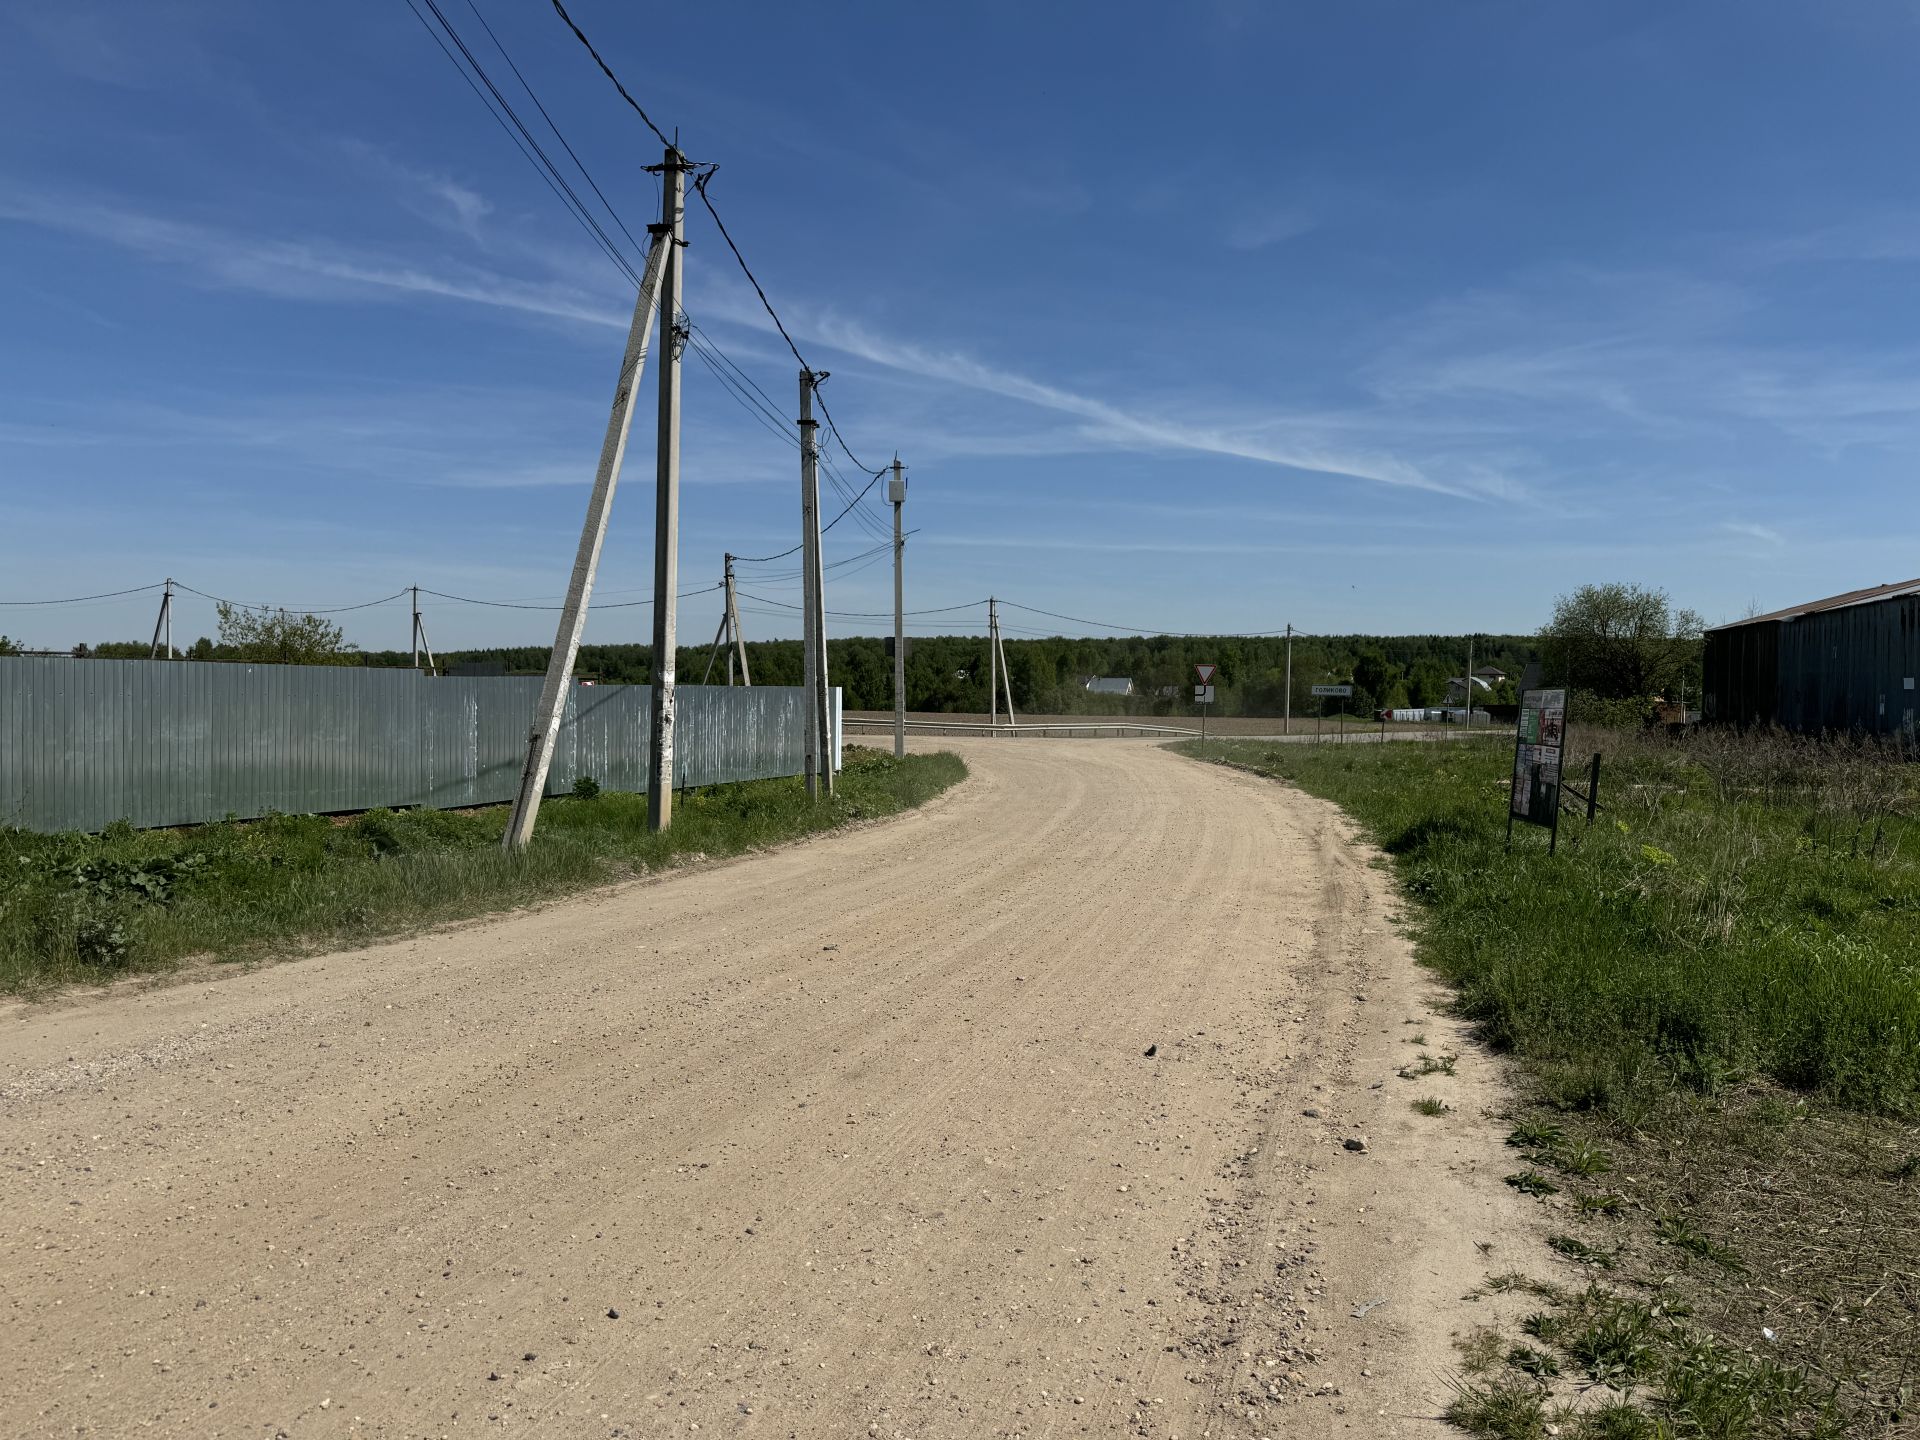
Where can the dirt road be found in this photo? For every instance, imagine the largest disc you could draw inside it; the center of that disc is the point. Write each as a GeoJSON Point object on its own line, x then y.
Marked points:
{"type": "Point", "coordinates": [857, 1138]}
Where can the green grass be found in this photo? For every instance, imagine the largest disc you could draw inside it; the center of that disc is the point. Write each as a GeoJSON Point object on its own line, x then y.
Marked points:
{"type": "Point", "coordinates": [1715, 924]}
{"type": "Point", "coordinates": [1713, 996]}
{"type": "Point", "coordinates": [84, 909]}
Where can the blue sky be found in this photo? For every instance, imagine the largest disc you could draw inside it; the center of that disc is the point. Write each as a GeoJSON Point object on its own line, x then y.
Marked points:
{"type": "Point", "coordinates": [1392, 318]}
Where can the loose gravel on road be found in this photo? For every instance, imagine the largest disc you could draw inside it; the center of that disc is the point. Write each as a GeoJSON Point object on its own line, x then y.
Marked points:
{"type": "Point", "coordinates": [1031, 1112]}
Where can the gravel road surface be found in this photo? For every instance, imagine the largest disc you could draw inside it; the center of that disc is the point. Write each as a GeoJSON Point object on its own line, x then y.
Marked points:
{"type": "Point", "coordinates": [858, 1138]}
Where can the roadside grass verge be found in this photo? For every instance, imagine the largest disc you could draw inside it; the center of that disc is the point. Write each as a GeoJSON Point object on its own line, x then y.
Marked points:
{"type": "Point", "coordinates": [86, 909]}
{"type": "Point", "coordinates": [1713, 996]}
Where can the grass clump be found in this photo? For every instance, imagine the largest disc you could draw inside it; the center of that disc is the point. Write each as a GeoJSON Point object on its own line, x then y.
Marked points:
{"type": "Point", "coordinates": [1504, 1410]}
{"type": "Point", "coordinates": [1532, 1182]}
{"type": "Point", "coordinates": [84, 909]}
{"type": "Point", "coordinates": [1431, 1105]}
{"type": "Point", "coordinates": [1578, 1251]}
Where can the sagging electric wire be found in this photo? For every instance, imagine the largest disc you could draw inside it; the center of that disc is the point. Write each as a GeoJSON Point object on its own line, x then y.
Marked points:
{"type": "Point", "coordinates": [80, 599]}
{"type": "Point", "coordinates": [294, 609]}
{"type": "Point", "coordinates": [528, 145]}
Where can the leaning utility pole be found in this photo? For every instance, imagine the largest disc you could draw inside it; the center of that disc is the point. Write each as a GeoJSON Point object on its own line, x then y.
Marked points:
{"type": "Point", "coordinates": [163, 624]}
{"type": "Point", "coordinates": [728, 635]}
{"type": "Point", "coordinates": [1006, 674]}
{"type": "Point", "coordinates": [993, 666]}
{"type": "Point", "coordinates": [666, 498]}
{"type": "Point", "coordinates": [813, 622]}
{"type": "Point", "coordinates": [420, 641]}
{"type": "Point", "coordinates": [897, 493]}
{"type": "Point", "coordinates": [1286, 726]}
{"type": "Point", "coordinates": [739, 649]}
{"type": "Point", "coordinates": [551, 710]}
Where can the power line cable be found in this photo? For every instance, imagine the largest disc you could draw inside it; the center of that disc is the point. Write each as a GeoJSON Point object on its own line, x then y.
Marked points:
{"type": "Point", "coordinates": [778, 576]}
{"type": "Point", "coordinates": [513, 115]}
{"type": "Point", "coordinates": [873, 527]}
{"type": "Point", "coordinates": [578, 162]}
{"type": "Point", "coordinates": [1145, 629]}
{"type": "Point", "coordinates": [519, 605]}
{"type": "Point", "coordinates": [867, 614]}
{"type": "Point", "coordinates": [792, 549]}
{"type": "Point", "coordinates": [525, 140]}
{"type": "Point", "coordinates": [107, 595]}
{"type": "Point", "coordinates": [294, 609]}
{"type": "Point", "coordinates": [772, 408]}
{"type": "Point", "coordinates": [607, 70]}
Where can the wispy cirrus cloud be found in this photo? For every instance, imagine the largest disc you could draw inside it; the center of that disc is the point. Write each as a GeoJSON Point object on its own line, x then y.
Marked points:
{"type": "Point", "coordinates": [1269, 227]}
{"type": "Point", "coordinates": [1747, 530]}
{"type": "Point", "coordinates": [1101, 424]}
{"type": "Point", "coordinates": [301, 270]}
{"type": "Point", "coordinates": [434, 196]}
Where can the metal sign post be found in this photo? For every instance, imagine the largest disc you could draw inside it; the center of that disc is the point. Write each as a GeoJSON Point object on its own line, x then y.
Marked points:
{"type": "Point", "coordinates": [1203, 695]}
{"type": "Point", "coordinates": [1325, 692]}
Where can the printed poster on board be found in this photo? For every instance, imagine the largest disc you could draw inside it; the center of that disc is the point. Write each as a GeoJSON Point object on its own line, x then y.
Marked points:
{"type": "Point", "coordinates": [1536, 756]}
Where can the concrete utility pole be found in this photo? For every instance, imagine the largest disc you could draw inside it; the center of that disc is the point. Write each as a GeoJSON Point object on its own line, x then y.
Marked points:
{"type": "Point", "coordinates": [420, 641]}
{"type": "Point", "coordinates": [728, 635]}
{"type": "Point", "coordinates": [993, 666]}
{"type": "Point", "coordinates": [897, 493]}
{"type": "Point", "coordinates": [1286, 726]}
{"type": "Point", "coordinates": [739, 649]}
{"type": "Point", "coordinates": [163, 624]}
{"type": "Point", "coordinates": [552, 705]}
{"type": "Point", "coordinates": [666, 497]}
{"type": "Point", "coordinates": [813, 623]}
{"type": "Point", "coordinates": [1006, 675]}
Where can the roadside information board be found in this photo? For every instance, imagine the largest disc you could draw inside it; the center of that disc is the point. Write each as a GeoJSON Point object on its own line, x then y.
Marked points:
{"type": "Point", "coordinates": [1344, 692]}
{"type": "Point", "coordinates": [1537, 750]}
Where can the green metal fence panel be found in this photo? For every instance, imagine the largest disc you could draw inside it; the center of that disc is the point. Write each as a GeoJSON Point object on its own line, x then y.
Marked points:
{"type": "Point", "coordinates": [86, 742]}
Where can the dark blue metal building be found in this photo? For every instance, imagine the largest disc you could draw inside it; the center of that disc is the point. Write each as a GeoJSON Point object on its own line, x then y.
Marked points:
{"type": "Point", "coordinates": [1844, 665]}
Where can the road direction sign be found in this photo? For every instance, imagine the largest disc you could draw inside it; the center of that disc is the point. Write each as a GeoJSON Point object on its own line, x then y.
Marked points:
{"type": "Point", "coordinates": [1203, 694]}
{"type": "Point", "coordinates": [1206, 673]}
{"type": "Point", "coordinates": [1344, 692]}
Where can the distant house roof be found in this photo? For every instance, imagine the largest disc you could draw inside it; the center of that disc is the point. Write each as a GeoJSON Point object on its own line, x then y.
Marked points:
{"type": "Point", "coordinates": [1490, 672]}
{"type": "Point", "coordinates": [1832, 602]}
{"type": "Point", "coordinates": [1110, 685]}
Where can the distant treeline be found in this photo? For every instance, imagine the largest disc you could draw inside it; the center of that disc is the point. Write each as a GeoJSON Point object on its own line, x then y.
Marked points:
{"type": "Point", "coordinates": [949, 672]}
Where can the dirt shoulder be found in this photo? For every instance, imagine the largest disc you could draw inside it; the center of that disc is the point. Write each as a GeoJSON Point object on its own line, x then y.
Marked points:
{"type": "Point", "coordinates": [855, 1137]}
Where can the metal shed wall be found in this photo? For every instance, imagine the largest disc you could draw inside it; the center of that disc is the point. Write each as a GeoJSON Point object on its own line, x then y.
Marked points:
{"type": "Point", "coordinates": [86, 742]}
{"type": "Point", "coordinates": [1741, 674]}
{"type": "Point", "coordinates": [1846, 670]}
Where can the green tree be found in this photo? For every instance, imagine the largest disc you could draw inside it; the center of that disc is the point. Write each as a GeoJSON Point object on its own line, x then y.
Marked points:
{"type": "Point", "coordinates": [1374, 678]}
{"type": "Point", "coordinates": [8, 645]}
{"type": "Point", "coordinates": [1620, 641]}
{"type": "Point", "coordinates": [278, 637]}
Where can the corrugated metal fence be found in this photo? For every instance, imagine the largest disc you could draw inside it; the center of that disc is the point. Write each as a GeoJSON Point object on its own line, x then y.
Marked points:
{"type": "Point", "coordinates": [86, 742]}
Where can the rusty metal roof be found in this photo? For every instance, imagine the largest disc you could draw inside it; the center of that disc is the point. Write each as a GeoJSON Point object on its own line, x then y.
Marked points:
{"type": "Point", "coordinates": [1832, 602]}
